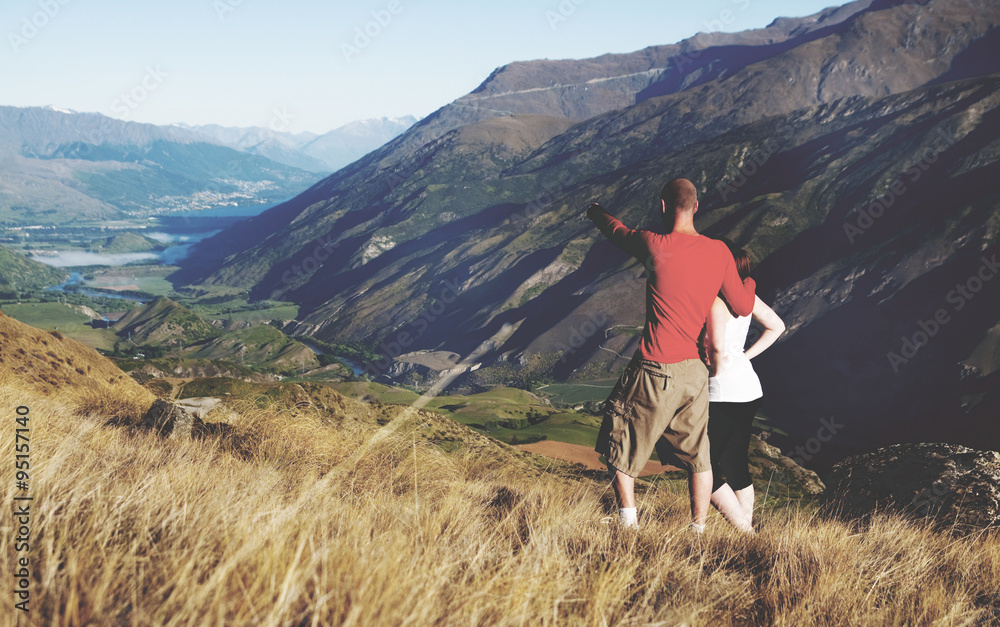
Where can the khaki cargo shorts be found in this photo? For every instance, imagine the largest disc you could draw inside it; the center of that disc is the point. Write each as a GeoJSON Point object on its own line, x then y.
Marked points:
{"type": "Point", "coordinates": [662, 406]}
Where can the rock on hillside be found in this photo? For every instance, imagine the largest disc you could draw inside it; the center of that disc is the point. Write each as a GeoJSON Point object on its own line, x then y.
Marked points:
{"type": "Point", "coordinates": [950, 484]}
{"type": "Point", "coordinates": [784, 477]}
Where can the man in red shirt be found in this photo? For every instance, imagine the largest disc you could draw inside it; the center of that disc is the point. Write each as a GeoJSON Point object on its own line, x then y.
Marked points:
{"type": "Point", "coordinates": [664, 389]}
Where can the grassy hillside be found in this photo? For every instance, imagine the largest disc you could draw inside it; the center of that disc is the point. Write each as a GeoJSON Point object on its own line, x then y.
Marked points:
{"type": "Point", "coordinates": [349, 515]}
{"type": "Point", "coordinates": [173, 330]}
{"type": "Point", "coordinates": [45, 364]}
{"type": "Point", "coordinates": [21, 274]}
{"type": "Point", "coordinates": [126, 243]}
{"type": "Point", "coordinates": [255, 345]}
{"type": "Point", "coordinates": [164, 321]}
{"type": "Point", "coordinates": [68, 320]}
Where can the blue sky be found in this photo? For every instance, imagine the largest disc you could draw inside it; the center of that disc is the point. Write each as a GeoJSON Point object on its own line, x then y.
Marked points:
{"type": "Point", "coordinates": [311, 65]}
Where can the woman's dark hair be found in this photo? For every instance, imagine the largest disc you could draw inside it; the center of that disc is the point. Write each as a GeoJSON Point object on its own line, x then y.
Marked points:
{"type": "Point", "coordinates": [740, 256]}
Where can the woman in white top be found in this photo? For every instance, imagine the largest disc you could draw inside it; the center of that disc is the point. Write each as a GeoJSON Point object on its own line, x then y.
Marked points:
{"type": "Point", "coordinates": [734, 395]}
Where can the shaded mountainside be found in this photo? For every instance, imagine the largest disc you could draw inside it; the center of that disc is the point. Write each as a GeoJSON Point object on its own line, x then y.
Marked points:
{"type": "Point", "coordinates": [854, 155]}
{"type": "Point", "coordinates": [61, 167]}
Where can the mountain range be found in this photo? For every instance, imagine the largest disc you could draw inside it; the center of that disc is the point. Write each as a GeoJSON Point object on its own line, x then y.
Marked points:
{"type": "Point", "coordinates": [62, 167]}
{"type": "Point", "coordinates": [852, 152]}
{"type": "Point", "coordinates": [309, 151]}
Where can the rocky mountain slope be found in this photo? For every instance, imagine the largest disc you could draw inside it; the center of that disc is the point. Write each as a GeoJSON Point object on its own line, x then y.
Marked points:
{"type": "Point", "coordinates": [852, 153]}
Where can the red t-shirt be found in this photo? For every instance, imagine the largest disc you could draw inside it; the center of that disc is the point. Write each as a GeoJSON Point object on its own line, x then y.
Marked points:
{"type": "Point", "coordinates": [684, 275]}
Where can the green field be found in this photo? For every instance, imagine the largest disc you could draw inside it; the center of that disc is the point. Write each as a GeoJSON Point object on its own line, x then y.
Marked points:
{"type": "Point", "coordinates": [575, 393]}
{"type": "Point", "coordinates": [377, 392]}
{"type": "Point", "coordinates": [151, 279]}
{"type": "Point", "coordinates": [63, 318]}
{"type": "Point", "coordinates": [485, 411]}
{"type": "Point", "coordinates": [238, 310]}
{"type": "Point", "coordinates": [281, 312]}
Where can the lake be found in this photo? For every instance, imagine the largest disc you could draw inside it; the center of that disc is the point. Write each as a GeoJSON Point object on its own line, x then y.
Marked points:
{"type": "Point", "coordinates": [180, 232]}
{"type": "Point", "coordinates": [75, 278]}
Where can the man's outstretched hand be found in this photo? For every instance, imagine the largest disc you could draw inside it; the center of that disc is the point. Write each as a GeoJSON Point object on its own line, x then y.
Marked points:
{"type": "Point", "coordinates": [594, 210]}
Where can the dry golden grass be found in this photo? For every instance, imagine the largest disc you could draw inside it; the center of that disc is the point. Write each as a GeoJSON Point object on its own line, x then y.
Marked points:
{"type": "Point", "coordinates": [310, 518]}
{"type": "Point", "coordinates": [49, 364]}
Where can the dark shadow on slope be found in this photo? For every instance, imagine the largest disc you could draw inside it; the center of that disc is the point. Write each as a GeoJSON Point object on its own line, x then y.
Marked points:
{"type": "Point", "coordinates": [981, 58]}
{"type": "Point", "coordinates": [311, 298]}
{"type": "Point", "coordinates": [925, 198]}
{"type": "Point", "coordinates": [842, 365]}
{"type": "Point", "coordinates": [549, 309]}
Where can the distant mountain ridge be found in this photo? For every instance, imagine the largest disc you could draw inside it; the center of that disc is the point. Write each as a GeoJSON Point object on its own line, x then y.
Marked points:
{"type": "Point", "coordinates": [60, 167]}
{"type": "Point", "coordinates": [324, 153]}
{"type": "Point", "coordinates": [464, 233]}
{"type": "Point", "coordinates": [581, 89]}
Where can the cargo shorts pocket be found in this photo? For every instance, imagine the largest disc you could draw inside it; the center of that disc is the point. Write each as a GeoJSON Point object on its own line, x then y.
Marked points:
{"type": "Point", "coordinates": [657, 374]}
{"type": "Point", "coordinates": [613, 436]}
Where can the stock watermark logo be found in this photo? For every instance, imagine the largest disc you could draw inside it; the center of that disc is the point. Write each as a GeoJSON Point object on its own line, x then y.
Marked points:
{"type": "Point", "coordinates": [725, 20]}
{"type": "Point", "coordinates": [31, 26]}
{"type": "Point", "coordinates": [579, 335]}
{"type": "Point", "coordinates": [551, 191]}
{"type": "Point", "coordinates": [958, 298]}
{"type": "Point", "coordinates": [21, 524]}
{"type": "Point", "coordinates": [365, 34]}
{"type": "Point", "coordinates": [726, 17]}
{"type": "Point", "coordinates": [866, 216]}
{"type": "Point", "coordinates": [391, 349]}
{"type": "Point", "coordinates": [310, 264]}
{"type": "Point", "coordinates": [280, 120]}
{"type": "Point", "coordinates": [751, 165]}
{"type": "Point", "coordinates": [225, 7]}
{"type": "Point", "coordinates": [129, 101]}
{"type": "Point", "coordinates": [562, 13]}
{"type": "Point", "coordinates": [927, 500]}
{"type": "Point", "coordinates": [828, 429]}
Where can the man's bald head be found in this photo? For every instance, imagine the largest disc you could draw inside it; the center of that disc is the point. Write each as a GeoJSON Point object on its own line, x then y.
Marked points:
{"type": "Point", "coordinates": [679, 195]}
